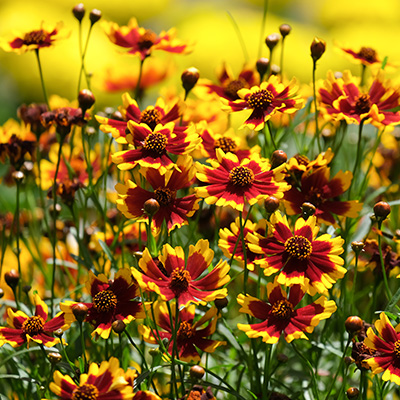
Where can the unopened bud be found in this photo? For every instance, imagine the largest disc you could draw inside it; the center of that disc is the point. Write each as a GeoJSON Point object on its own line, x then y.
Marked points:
{"type": "Point", "coordinates": [285, 29]}
{"type": "Point", "coordinates": [86, 100]}
{"type": "Point", "coordinates": [308, 209]}
{"type": "Point", "coordinates": [94, 16]}
{"type": "Point", "coordinates": [151, 206]}
{"type": "Point", "coordinates": [275, 69]}
{"type": "Point", "coordinates": [18, 176]}
{"type": "Point", "coordinates": [118, 326]}
{"type": "Point", "coordinates": [79, 11]}
{"type": "Point", "coordinates": [262, 66]}
{"type": "Point", "coordinates": [357, 247]}
{"type": "Point", "coordinates": [196, 372]}
{"type": "Point", "coordinates": [348, 360]}
{"type": "Point", "coordinates": [54, 357]}
{"type": "Point", "coordinates": [80, 311]}
{"type": "Point", "coordinates": [272, 40]}
{"type": "Point", "coordinates": [318, 47]}
{"type": "Point", "coordinates": [271, 204]}
{"type": "Point", "coordinates": [189, 78]}
{"type": "Point", "coordinates": [381, 210]}
{"type": "Point", "coordinates": [26, 288]}
{"type": "Point", "coordinates": [221, 303]}
{"type": "Point", "coordinates": [1, 293]}
{"type": "Point", "coordinates": [154, 352]}
{"type": "Point", "coordinates": [58, 332]}
{"type": "Point", "coordinates": [353, 324]}
{"type": "Point", "coordinates": [12, 278]}
{"type": "Point", "coordinates": [352, 393]}
{"type": "Point", "coordinates": [278, 157]}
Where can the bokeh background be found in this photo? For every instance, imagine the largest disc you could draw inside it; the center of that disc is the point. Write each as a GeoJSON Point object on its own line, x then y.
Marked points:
{"type": "Point", "coordinates": [209, 24]}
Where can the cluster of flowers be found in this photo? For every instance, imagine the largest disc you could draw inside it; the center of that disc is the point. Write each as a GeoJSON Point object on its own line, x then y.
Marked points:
{"type": "Point", "coordinates": [282, 224]}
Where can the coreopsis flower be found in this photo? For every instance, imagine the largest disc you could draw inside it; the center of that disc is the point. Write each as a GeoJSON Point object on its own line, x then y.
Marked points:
{"type": "Point", "coordinates": [64, 118]}
{"type": "Point", "coordinates": [299, 257]}
{"type": "Point", "coordinates": [280, 314]}
{"type": "Point", "coordinates": [104, 381]}
{"type": "Point", "coordinates": [366, 56]}
{"type": "Point", "coordinates": [188, 281]}
{"type": "Point", "coordinates": [229, 237]}
{"type": "Point", "coordinates": [386, 346]}
{"type": "Point", "coordinates": [264, 101]}
{"type": "Point", "coordinates": [33, 40]}
{"type": "Point", "coordinates": [111, 300]}
{"type": "Point", "coordinates": [161, 113]}
{"type": "Point", "coordinates": [230, 182]}
{"type": "Point", "coordinates": [191, 334]}
{"type": "Point", "coordinates": [317, 188]}
{"type": "Point", "coordinates": [197, 392]}
{"type": "Point", "coordinates": [174, 209]}
{"type": "Point", "coordinates": [152, 148]}
{"type": "Point", "coordinates": [23, 329]}
{"type": "Point", "coordinates": [342, 99]}
{"type": "Point", "coordinates": [141, 41]}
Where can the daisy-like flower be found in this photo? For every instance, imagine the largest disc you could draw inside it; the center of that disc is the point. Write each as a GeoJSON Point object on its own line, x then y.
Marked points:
{"type": "Point", "coordinates": [104, 381]}
{"type": "Point", "coordinates": [190, 336]}
{"type": "Point", "coordinates": [343, 99]}
{"type": "Point", "coordinates": [170, 276]}
{"type": "Point", "coordinates": [264, 101]}
{"type": "Point", "coordinates": [231, 182]}
{"type": "Point", "coordinates": [161, 113]}
{"type": "Point", "coordinates": [300, 257]}
{"type": "Point", "coordinates": [152, 147]}
{"type": "Point", "coordinates": [366, 56]}
{"type": "Point", "coordinates": [280, 315]}
{"type": "Point", "coordinates": [140, 41]}
{"type": "Point", "coordinates": [111, 300]}
{"type": "Point", "coordinates": [229, 238]}
{"type": "Point", "coordinates": [317, 188]}
{"type": "Point", "coordinates": [174, 210]}
{"type": "Point", "coordinates": [386, 346]}
{"type": "Point", "coordinates": [33, 40]}
{"type": "Point", "coordinates": [23, 329]}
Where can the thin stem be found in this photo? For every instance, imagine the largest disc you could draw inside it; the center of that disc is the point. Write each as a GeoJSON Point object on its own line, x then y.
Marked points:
{"type": "Point", "coordinates": [268, 125]}
{"type": "Point", "coordinates": [83, 55]}
{"type": "Point", "coordinates": [246, 270]}
{"type": "Point", "coordinates": [315, 107]}
{"type": "Point", "coordinates": [137, 89]}
{"type": "Point", "coordinates": [262, 31]}
{"type": "Point", "coordinates": [41, 78]}
{"type": "Point", "coordinates": [17, 220]}
{"type": "Point", "coordinates": [83, 345]}
{"type": "Point", "coordinates": [385, 280]}
{"type": "Point", "coordinates": [281, 63]}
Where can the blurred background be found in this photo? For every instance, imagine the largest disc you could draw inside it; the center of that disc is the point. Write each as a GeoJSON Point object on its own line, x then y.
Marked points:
{"type": "Point", "coordinates": [212, 25]}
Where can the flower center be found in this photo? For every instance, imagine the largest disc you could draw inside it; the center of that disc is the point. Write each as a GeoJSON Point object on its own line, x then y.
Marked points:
{"type": "Point", "coordinates": [282, 309]}
{"type": "Point", "coordinates": [232, 88]}
{"type": "Point", "coordinates": [180, 279]}
{"type": "Point", "coordinates": [147, 40]}
{"type": "Point", "coordinates": [396, 349]}
{"type": "Point", "coordinates": [105, 301]}
{"type": "Point", "coordinates": [185, 331]}
{"type": "Point", "coordinates": [241, 176]}
{"type": "Point", "coordinates": [164, 196]}
{"type": "Point", "coordinates": [261, 99]}
{"type": "Point", "coordinates": [363, 104]}
{"type": "Point", "coordinates": [151, 117]}
{"type": "Point", "coordinates": [85, 392]}
{"type": "Point", "coordinates": [368, 54]}
{"type": "Point", "coordinates": [33, 325]}
{"type": "Point", "coordinates": [156, 142]}
{"type": "Point", "coordinates": [35, 37]}
{"type": "Point", "coordinates": [298, 247]}
{"type": "Point", "coordinates": [226, 144]}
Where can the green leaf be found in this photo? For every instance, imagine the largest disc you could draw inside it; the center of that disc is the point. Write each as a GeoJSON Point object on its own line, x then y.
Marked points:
{"type": "Point", "coordinates": [107, 250]}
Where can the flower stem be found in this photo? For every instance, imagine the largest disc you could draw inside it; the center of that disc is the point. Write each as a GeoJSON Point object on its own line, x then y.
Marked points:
{"type": "Point", "coordinates": [385, 279]}
{"type": "Point", "coordinates": [315, 108]}
{"type": "Point", "coordinates": [83, 55]}
{"type": "Point", "coordinates": [358, 155]}
{"type": "Point", "coordinates": [137, 89]}
{"type": "Point", "coordinates": [41, 78]}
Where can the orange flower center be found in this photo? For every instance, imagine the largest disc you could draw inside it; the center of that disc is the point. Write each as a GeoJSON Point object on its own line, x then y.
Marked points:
{"type": "Point", "coordinates": [33, 325]}
{"type": "Point", "coordinates": [396, 349]}
{"type": "Point", "coordinates": [185, 331]}
{"type": "Point", "coordinates": [298, 247]}
{"type": "Point", "coordinates": [164, 196]}
{"type": "Point", "coordinates": [151, 117]}
{"type": "Point", "coordinates": [282, 309]}
{"type": "Point", "coordinates": [147, 40]}
{"type": "Point", "coordinates": [85, 392]}
{"type": "Point", "coordinates": [260, 99]}
{"type": "Point", "coordinates": [241, 176]}
{"type": "Point", "coordinates": [156, 142]}
{"type": "Point", "coordinates": [35, 37]}
{"type": "Point", "coordinates": [368, 54]}
{"type": "Point", "coordinates": [363, 104]}
{"type": "Point", "coordinates": [105, 301]}
{"type": "Point", "coordinates": [226, 144]}
{"type": "Point", "coordinates": [232, 88]}
{"type": "Point", "coordinates": [180, 279]}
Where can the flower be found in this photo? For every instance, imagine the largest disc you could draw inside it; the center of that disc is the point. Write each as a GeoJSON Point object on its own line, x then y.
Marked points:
{"type": "Point", "coordinates": [174, 210]}
{"type": "Point", "coordinates": [231, 182]}
{"type": "Point", "coordinates": [316, 188]}
{"type": "Point", "coordinates": [111, 301]}
{"type": "Point", "coordinates": [171, 277]}
{"type": "Point", "coordinates": [33, 40]}
{"type": "Point", "coordinates": [190, 335]}
{"type": "Point", "coordinates": [104, 381]}
{"type": "Point", "coordinates": [300, 257]}
{"type": "Point", "coordinates": [23, 329]}
{"type": "Point", "coordinates": [265, 100]}
{"type": "Point", "coordinates": [280, 315]}
{"type": "Point", "coordinates": [141, 41]}
{"type": "Point", "coordinates": [152, 147]}
{"type": "Point", "coordinates": [386, 345]}
{"type": "Point", "coordinates": [366, 56]}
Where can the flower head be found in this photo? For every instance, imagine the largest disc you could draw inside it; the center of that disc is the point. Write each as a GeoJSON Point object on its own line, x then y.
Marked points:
{"type": "Point", "coordinates": [366, 56]}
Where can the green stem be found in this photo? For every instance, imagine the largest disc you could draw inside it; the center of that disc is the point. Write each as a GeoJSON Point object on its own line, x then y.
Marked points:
{"type": "Point", "coordinates": [83, 55]}
{"type": "Point", "coordinates": [315, 107]}
{"type": "Point", "coordinates": [41, 78]}
{"type": "Point", "coordinates": [83, 345]}
{"type": "Point", "coordinates": [18, 225]}
{"type": "Point", "coordinates": [262, 31]}
{"type": "Point", "coordinates": [385, 280]}
{"type": "Point", "coordinates": [246, 270]}
{"type": "Point", "coordinates": [137, 89]}
{"type": "Point", "coordinates": [268, 125]}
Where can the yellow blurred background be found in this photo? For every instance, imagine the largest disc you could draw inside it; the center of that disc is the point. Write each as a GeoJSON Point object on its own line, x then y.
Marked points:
{"type": "Point", "coordinates": [207, 23]}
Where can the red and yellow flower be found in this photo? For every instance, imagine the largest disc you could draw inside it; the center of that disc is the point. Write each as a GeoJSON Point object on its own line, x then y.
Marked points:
{"type": "Point", "coordinates": [111, 300]}
{"type": "Point", "coordinates": [280, 315]}
{"type": "Point", "coordinates": [174, 210]}
{"type": "Point", "coordinates": [191, 335]}
{"type": "Point", "coordinates": [366, 56]}
{"type": "Point", "coordinates": [231, 182]}
{"type": "Point", "coordinates": [386, 347]}
{"type": "Point", "coordinates": [170, 276]}
{"type": "Point", "coordinates": [264, 101]}
{"type": "Point", "coordinates": [300, 257]}
{"type": "Point", "coordinates": [23, 329]}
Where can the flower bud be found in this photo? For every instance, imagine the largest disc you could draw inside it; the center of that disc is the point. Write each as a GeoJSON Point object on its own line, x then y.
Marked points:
{"type": "Point", "coordinates": [196, 372]}
{"type": "Point", "coordinates": [86, 100]}
{"type": "Point", "coordinates": [79, 11]}
{"type": "Point", "coordinates": [275, 69]}
{"type": "Point", "coordinates": [318, 47]}
{"type": "Point", "coordinates": [118, 326]}
{"type": "Point", "coordinates": [58, 333]}
{"type": "Point", "coordinates": [381, 210]}
{"type": "Point", "coordinates": [80, 311]}
{"type": "Point", "coordinates": [272, 40]}
{"type": "Point", "coordinates": [94, 16]}
{"type": "Point", "coordinates": [26, 288]}
{"type": "Point", "coordinates": [271, 204]}
{"type": "Point", "coordinates": [357, 247]}
{"type": "Point", "coordinates": [308, 209]}
{"type": "Point", "coordinates": [12, 278]}
{"type": "Point", "coordinates": [352, 393]}
{"type": "Point", "coordinates": [221, 303]}
{"type": "Point", "coordinates": [189, 78]}
{"type": "Point", "coordinates": [285, 29]}
{"type": "Point", "coordinates": [151, 206]}
{"type": "Point", "coordinates": [348, 360]}
{"type": "Point", "coordinates": [353, 324]}
{"type": "Point", "coordinates": [278, 158]}
{"type": "Point", "coordinates": [54, 357]}
{"type": "Point", "coordinates": [262, 66]}
{"type": "Point", "coordinates": [1, 293]}
{"type": "Point", "coordinates": [154, 352]}
{"type": "Point", "coordinates": [18, 176]}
